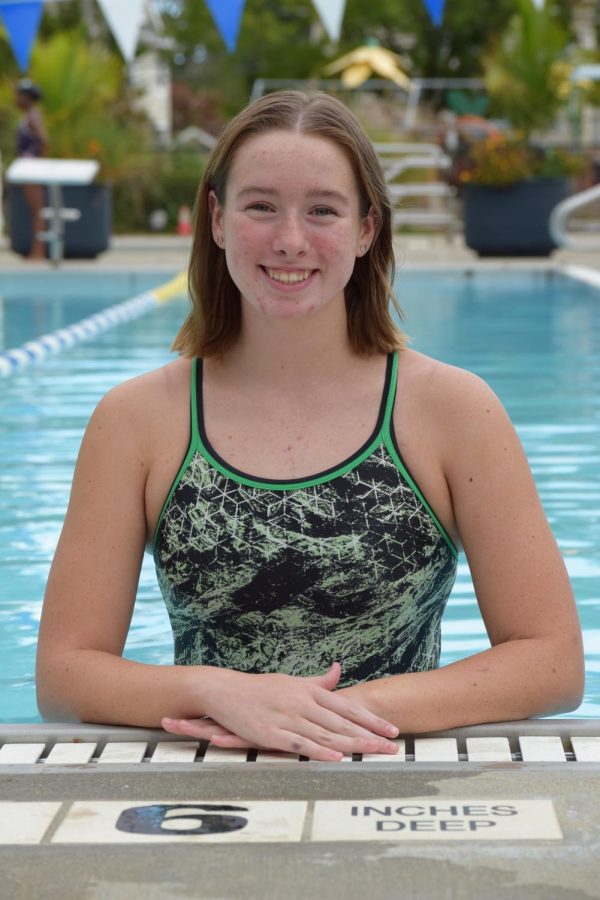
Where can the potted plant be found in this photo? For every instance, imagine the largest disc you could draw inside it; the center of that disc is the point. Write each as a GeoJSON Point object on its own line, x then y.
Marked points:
{"type": "Point", "coordinates": [510, 190]}
{"type": "Point", "coordinates": [510, 185]}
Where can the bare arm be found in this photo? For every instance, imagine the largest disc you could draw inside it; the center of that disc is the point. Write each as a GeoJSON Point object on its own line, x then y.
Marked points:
{"type": "Point", "coordinates": [89, 601]}
{"type": "Point", "coordinates": [93, 580]}
{"type": "Point", "coordinates": [535, 664]}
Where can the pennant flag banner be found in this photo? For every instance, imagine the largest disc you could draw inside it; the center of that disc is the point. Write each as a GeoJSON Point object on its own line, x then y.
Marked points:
{"type": "Point", "coordinates": [435, 8]}
{"type": "Point", "coordinates": [21, 20]}
{"type": "Point", "coordinates": [125, 21]}
{"type": "Point", "coordinates": [228, 16]}
{"type": "Point", "coordinates": [331, 13]}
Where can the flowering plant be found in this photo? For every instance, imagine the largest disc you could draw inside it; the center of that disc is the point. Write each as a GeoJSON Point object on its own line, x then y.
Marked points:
{"type": "Point", "coordinates": [501, 161]}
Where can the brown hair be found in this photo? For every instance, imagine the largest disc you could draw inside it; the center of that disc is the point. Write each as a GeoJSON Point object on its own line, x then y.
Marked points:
{"type": "Point", "coordinates": [214, 322]}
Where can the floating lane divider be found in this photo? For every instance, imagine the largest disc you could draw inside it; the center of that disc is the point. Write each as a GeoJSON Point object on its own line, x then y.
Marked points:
{"type": "Point", "coordinates": [63, 338]}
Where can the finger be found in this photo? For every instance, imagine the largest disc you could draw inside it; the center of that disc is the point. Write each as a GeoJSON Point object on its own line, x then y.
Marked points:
{"type": "Point", "coordinates": [325, 746]}
{"type": "Point", "coordinates": [173, 726]}
{"type": "Point", "coordinates": [286, 742]}
{"type": "Point", "coordinates": [329, 679]}
{"type": "Point", "coordinates": [199, 728]}
{"type": "Point", "coordinates": [345, 735]}
{"type": "Point", "coordinates": [232, 741]}
{"type": "Point", "coordinates": [360, 715]}
{"type": "Point", "coordinates": [294, 743]}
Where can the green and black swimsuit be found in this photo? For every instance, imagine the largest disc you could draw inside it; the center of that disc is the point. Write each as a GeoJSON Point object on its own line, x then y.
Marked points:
{"type": "Point", "coordinates": [288, 576]}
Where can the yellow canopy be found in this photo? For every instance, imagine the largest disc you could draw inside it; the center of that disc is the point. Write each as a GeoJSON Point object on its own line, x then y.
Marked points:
{"type": "Point", "coordinates": [365, 62]}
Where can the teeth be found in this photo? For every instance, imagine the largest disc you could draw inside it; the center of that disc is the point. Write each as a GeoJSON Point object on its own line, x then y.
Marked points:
{"type": "Point", "coordinates": [288, 277]}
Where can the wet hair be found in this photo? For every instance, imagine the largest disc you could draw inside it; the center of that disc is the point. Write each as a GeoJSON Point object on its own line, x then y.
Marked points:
{"type": "Point", "coordinates": [27, 87]}
{"type": "Point", "coordinates": [214, 323]}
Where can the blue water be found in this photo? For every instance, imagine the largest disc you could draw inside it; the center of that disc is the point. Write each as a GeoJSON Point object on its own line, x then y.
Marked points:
{"type": "Point", "coordinates": [37, 303]}
{"type": "Point", "coordinates": [536, 340]}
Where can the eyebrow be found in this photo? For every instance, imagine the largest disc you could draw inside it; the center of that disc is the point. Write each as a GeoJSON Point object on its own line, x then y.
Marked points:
{"type": "Point", "coordinates": [314, 193]}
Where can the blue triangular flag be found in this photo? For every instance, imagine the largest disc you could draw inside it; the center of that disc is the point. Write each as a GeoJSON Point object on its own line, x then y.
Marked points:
{"type": "Point", "coordinates": [435, 8]}
{"type": "Point", "coordinates": [21, 20]}
{"type": "Point", "coordinates": [228, 16]}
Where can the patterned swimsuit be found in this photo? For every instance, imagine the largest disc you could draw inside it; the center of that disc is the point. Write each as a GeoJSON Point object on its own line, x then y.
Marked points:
{"type": "Point", "coordinates": [288, 576]}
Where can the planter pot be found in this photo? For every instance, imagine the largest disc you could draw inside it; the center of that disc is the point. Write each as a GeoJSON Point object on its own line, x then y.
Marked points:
{"type": "Point", "coordinates": [85, 238]}
{"type": "Point", "coordinates": [512, 220]}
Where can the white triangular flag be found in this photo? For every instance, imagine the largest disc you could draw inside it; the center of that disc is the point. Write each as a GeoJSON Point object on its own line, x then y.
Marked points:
{"type": "Point", "coordinates": [331, 13]}
{"type": "Point", "coordinates": [124, 20]}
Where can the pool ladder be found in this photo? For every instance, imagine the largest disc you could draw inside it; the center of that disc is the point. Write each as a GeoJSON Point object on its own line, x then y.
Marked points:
{"type": "Point", "coordinates": [562, 212]}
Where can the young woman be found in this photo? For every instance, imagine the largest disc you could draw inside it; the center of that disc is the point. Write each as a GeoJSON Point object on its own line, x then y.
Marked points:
{"type": "Point", "coordinates": [305, 480]}
{"type": "Point", "coordinates": [32, 142]}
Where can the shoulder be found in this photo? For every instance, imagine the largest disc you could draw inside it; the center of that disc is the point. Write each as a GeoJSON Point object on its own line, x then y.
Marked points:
{"type": "Point", "coordinates": [459, 414]}
{"type": "Point", "coordinates": [439, 378]}
{"type": "Point", "coordinates": [161, 385]}
{"type": "Point", "coordinates": [137, 409]}
{"type": "Point", "coordinates": [448, 392]}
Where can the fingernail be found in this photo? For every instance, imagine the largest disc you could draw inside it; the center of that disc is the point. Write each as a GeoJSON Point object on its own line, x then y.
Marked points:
{"type": "Point", "coordinates": [392, 731]}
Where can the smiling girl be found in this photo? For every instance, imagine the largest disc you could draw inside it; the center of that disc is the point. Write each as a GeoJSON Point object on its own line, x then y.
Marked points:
{"type": "Point", "coordinates": [305, 481]}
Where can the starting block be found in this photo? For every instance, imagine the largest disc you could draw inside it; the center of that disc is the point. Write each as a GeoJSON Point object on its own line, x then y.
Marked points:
{"type": "Point", "coordinates": [54, 174]}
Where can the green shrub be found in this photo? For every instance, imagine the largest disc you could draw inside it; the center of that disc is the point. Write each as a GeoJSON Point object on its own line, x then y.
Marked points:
{"type": "Point", "coordinates": [173, 182]}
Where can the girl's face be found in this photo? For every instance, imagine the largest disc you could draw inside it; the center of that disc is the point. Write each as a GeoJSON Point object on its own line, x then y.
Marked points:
{"type": "Point", "coordinates": [290, 225]}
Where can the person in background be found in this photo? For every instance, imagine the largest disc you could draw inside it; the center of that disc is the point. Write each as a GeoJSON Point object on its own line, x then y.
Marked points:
{"type": "Point", "coordinates": [32, 142]}
{"type": "Point", "coordinates": [305, 480]}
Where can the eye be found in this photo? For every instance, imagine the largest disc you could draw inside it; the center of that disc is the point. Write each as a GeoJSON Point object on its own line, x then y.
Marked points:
{"type": "Point", "coordinates": [323, 211]}
{"type": "Point", "coordinates": [259, 206]}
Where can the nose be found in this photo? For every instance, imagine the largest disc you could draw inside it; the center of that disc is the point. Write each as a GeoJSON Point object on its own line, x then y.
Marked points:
{"type": "Point", "coordinates": [290, 236]}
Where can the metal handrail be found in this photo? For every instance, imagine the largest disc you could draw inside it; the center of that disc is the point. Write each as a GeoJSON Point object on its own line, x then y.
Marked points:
{"type": "Point", "coordinates": [561, 213]}
{"type": "Point", "coordinates": [397, 165]}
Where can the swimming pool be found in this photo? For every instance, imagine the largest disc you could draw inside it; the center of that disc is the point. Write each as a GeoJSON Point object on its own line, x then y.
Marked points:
{"type": "Point", "coordinates": [534, 337]}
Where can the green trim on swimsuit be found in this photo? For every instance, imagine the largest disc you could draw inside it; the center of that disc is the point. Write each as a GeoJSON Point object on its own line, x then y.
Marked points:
{"type": "Point", "coordinates": [192, 447]}
{"type": "Point", "coordinates": [389, 443]}
{"type": "Point", "coordinates": [384, 435]}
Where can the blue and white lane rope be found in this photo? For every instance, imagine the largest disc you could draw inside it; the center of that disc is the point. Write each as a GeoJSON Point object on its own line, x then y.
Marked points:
{"type": "Point", "coordinates": [63, 338]}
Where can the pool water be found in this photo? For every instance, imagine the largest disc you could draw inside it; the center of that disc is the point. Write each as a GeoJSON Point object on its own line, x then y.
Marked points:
{"type": "Point", "coordinates": [33, 304]}
{"type": "Point", "coordinates": [535, 339]}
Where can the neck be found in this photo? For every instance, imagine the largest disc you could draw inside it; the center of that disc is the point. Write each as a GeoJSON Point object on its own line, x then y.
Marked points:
{"type": "Point", "coordinates": [292, 353]}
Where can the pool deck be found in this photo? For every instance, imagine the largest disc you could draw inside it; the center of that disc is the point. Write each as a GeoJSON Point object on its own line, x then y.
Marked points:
{"type": "Point", "coordinates": [502, 811]}
{"type": "Point", "coordinates": [172, 252]}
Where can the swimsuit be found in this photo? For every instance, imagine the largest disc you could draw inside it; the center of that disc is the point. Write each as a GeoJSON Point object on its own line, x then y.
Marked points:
{"type": "Point", "coordinates": [289, 576]}
{"type": "Point", "coordinates": [28, 142]}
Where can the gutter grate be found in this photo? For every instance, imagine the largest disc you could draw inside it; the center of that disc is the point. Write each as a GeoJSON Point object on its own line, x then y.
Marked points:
{"type": "Point", "coordinates": [47, 747]}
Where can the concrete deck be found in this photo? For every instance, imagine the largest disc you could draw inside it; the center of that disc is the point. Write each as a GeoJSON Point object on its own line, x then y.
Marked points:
{"type": "Point", "coordinates": [169, 251]}
{"type": "Point", "coordinates": [291, 830]}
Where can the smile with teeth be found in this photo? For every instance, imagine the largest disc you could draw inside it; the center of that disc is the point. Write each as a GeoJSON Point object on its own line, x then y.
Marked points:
{"type": "Point", "coordinates": [285, 276]}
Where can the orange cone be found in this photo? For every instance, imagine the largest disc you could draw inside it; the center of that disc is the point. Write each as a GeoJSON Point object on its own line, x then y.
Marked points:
{"type": "Point", "coordinates": [184, 220]}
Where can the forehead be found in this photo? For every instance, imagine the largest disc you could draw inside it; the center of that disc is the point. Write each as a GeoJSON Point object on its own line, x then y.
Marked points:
{"type": "Point", "coordinates": [304, 158]}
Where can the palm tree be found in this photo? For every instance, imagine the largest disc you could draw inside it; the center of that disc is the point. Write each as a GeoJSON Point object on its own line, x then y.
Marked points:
{"type": "Point", "coordinates": [523, 73]}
